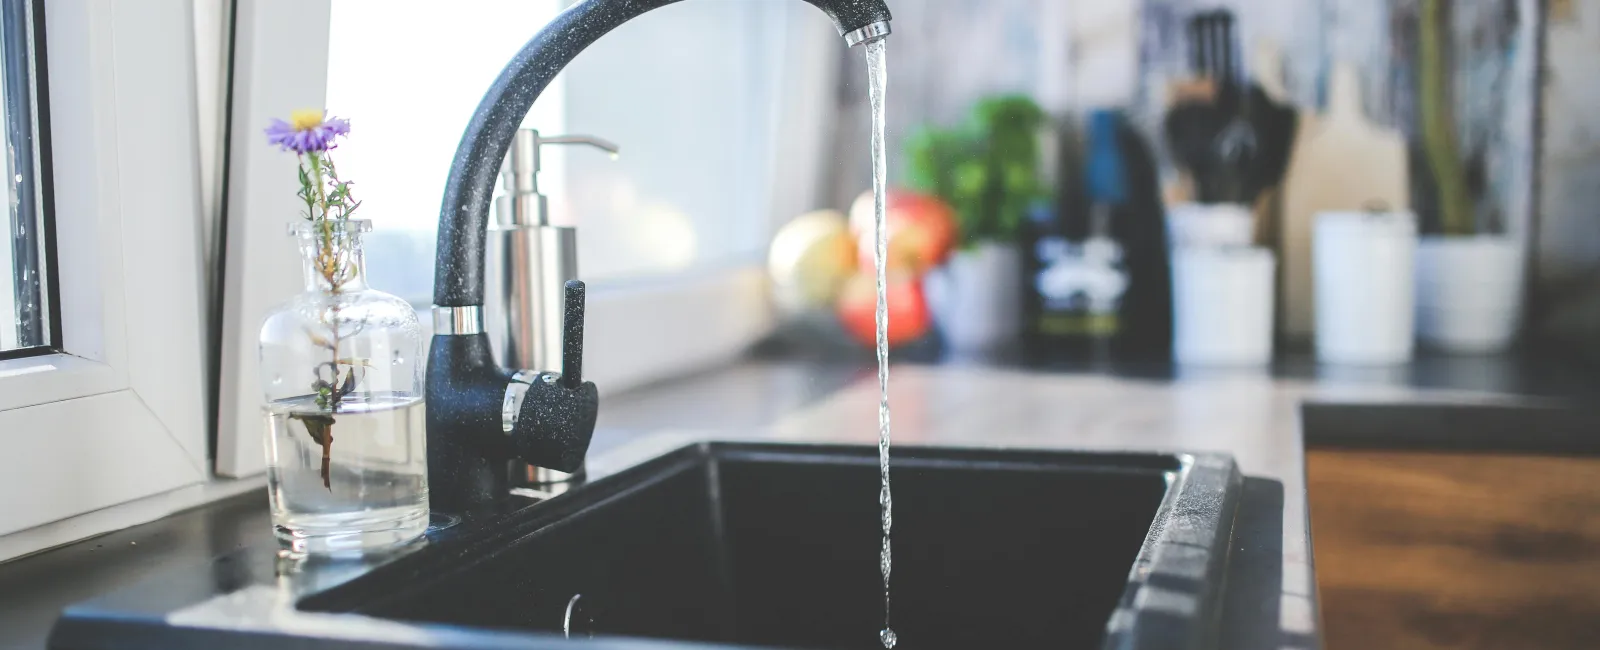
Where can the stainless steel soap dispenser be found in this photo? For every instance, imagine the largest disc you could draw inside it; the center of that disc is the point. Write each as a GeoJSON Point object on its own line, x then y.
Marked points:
{"type": "Point", "coordinates": [527, 266]}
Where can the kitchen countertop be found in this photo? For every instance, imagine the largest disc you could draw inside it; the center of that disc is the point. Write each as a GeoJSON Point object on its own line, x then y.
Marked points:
{"type": "Point", "coordinates": [1256, 417]}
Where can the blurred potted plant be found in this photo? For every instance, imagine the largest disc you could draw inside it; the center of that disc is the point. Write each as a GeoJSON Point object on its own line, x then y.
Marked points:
{"type": "Point", "coordinates": [1468, 280]}
{"type": "Point", "coordinates": [988, 172]}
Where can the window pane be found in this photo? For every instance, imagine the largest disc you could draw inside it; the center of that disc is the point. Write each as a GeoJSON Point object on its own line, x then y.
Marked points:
{"type": "Point", "coordinates": [695, 117]}
{"type": "Point", "coordinates": [408, 74]}
{"type": "Point", "coordinates": [24, 299]}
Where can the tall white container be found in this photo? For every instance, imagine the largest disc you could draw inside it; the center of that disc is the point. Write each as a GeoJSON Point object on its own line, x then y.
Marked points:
{"type": "Point", "coordinates": [1198, 225]}
{"type": "Point", "coordinates": [1362, 265]}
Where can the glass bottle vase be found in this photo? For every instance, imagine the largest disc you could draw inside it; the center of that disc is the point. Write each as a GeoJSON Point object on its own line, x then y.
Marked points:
{"type": "Point", "coordinates": [341, 365]}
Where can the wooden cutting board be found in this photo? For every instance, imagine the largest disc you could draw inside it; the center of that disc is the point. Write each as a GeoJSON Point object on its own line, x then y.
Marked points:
{"type": "Point", "coordinates": [1340, 161]}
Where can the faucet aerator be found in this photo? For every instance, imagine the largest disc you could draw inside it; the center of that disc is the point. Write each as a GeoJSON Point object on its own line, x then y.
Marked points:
{"type": "Point", "coordinates": [867, 34]}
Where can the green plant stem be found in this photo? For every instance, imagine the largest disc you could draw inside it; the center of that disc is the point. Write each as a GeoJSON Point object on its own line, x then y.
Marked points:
{"type": "Point", "coordinates": [1438, 126]}
{"type": "Point", "coordinates": [329, 263]}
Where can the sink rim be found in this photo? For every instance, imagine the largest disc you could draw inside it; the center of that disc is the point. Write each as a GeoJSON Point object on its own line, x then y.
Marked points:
{"type": "Point", "coordinates": [1171, 598]}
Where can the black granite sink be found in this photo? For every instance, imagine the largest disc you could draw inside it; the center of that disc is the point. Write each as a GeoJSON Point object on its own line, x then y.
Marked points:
{"type": "Point", "coordinates": [760, 545]}
{"type": "Point", "coordinates": [778, 546]}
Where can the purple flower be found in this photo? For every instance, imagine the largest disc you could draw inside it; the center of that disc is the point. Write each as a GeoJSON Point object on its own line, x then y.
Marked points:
{"type": "Point", "coordinates": [306, 131]}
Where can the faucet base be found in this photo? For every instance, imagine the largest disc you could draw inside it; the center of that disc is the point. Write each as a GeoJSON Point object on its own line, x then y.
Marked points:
{"type": "Point", "coordinates": [526, 474]}
{"type": "Point", "coordinates": [470, 445]}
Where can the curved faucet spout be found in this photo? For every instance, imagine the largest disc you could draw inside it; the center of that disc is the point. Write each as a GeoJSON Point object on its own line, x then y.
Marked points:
{"type": "Point", "coordinates": [463, 217]}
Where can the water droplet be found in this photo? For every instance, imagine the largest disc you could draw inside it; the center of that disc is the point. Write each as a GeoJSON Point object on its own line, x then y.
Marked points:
{"type": "Point", "coordinates": [399, 358]}
{"type": "Point", "coordinates": [888, 638]}
{"type": "Point", "coordinates": [18, 178]}
{"type": "Point", "coordinates": [277, 379]}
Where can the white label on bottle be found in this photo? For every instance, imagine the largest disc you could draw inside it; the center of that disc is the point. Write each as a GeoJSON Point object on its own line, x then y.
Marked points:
{"type": "Point", "coordinates": [1083, 277]}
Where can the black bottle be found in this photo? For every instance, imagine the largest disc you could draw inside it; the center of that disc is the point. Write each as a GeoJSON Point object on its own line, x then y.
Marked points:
{"type": "Point", "coordinates": [1139, 223]}
{"type": "Point", "coordinates": [1043, 240]}
{"type": "Point", "coordinates": [1097, 279]}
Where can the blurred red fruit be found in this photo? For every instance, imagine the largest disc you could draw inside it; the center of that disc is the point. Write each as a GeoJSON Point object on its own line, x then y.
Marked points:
{"type": "Point", "coordinates": [909, 318]}
{"type": "Point", "coordinates": [922, 230]}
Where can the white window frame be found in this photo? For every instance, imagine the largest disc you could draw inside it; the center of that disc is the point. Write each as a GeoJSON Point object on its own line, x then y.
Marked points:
{"type": "Point", "coordinates": [119, 413]}
{"type": "Point", "coordinates": [638, 332]}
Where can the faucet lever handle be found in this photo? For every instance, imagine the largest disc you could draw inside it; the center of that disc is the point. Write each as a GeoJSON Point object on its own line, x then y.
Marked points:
{"type": "Point", "coordinates": [556, 417]}
{"type": "Point", "coordinates": [572, 335]}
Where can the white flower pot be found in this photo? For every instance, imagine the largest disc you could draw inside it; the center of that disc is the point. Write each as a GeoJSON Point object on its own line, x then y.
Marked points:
{"type": "Point", "coordinates": [976, 297]}
{"type": "Point", "coordinates": [1469, 292]}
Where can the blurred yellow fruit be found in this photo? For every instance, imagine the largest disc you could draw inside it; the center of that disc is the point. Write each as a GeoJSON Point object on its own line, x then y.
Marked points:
{"type": "Point", "coordinates": [810, 259]}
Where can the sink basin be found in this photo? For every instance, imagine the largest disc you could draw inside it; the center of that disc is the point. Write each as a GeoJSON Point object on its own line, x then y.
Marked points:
{"type": "Point", "coordinates": [777, 545]}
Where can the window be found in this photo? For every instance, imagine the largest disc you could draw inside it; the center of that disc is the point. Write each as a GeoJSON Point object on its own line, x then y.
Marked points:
{"type": "Point", "coordinates": [107, 404]}
{"type": "Point", "coordinates": [693, 93]}
{"type": "Point", "coordinates": [721, 108]}
{"type": "Point", "coordinates": [25, 318]}
{"type": "Point", "coordinates": [408, 106]}
{"type": "Point", "coordinates": [114, 149]}
{"type": "Point", "coordinates": [692, 187]}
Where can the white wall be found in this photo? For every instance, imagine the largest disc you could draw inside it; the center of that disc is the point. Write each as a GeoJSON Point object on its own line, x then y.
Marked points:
{"type": "Point", "coordinates": [1569, 228]}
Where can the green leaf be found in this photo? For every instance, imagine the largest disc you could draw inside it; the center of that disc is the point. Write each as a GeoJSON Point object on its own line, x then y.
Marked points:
{"type": "Point", "coordinates": [987, 170]}
{"type": "Point", "coordinates": [969, 179]}
{"type": "Point", "coordinates": [349, 385]}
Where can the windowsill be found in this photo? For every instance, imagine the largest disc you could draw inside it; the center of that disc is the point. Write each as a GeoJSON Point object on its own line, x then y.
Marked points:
{"type": "Point", "coordinates": [29, 381]}
{"type": "Point", "coordinates": [31, 365]}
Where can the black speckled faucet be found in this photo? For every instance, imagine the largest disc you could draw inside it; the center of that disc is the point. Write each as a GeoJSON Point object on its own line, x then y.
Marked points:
{"type": "Point", "coordinates": [480, 415]}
